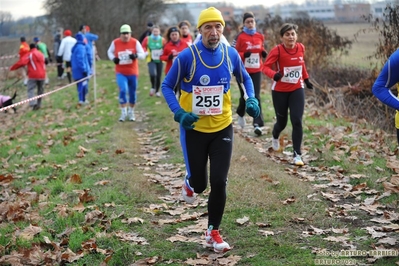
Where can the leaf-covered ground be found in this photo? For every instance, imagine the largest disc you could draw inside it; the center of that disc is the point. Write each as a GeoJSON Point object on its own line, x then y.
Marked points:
{"type": "Point", "coordinates": [340, 166]}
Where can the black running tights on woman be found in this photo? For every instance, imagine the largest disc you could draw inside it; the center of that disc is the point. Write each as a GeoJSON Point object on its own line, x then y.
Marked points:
{"type": "Point", "coordinates": [293, 101]}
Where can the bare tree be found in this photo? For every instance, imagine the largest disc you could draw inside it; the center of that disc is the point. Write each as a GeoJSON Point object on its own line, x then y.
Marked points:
{"type": "Point", "coordinates": [104, 17]}
{"type": "Point", "coordinates": [175, 16]}
{"type": "Point", "coordinates": [5, 23]}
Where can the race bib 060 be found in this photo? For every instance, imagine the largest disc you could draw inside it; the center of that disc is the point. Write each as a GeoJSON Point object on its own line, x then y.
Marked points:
{"type": "Point", "coordinates": [292, 74]}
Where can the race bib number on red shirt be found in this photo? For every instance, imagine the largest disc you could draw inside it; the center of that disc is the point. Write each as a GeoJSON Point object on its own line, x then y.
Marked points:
{"type": "Point", "coordinates": [253, 61]}
{"type": "Point", "coordinates": [124, 58]}
{"type": "Point", "coordinates": [292, 74]}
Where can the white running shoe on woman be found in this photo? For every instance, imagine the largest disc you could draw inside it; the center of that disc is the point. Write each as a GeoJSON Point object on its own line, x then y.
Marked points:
{"type": "Point", "coordinates": [298, 160]}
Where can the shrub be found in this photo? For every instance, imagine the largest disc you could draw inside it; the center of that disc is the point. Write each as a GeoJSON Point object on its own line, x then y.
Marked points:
{"type": "Point", "coordinates": [324, 44]}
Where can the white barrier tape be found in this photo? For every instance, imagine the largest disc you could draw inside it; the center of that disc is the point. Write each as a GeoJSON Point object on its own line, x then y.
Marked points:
{"type": "Point", "coordinates": [50, 64]}
{"type": "Point", "coordinates": [8, 56]}
{"type": "Point", "coordinates": [42, 95]}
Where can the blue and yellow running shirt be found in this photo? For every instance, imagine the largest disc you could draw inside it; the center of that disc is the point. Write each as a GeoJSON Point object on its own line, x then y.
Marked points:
{"type": "Point", "coordinates": [387, 78]}
{"type": "Point", "coordinates": [204, 76]}
{"type": "Point", "coordinates": [397, 112]}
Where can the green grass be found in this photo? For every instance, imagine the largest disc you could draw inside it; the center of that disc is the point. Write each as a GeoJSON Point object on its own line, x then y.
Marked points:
{"type": "Point", "coordinates": [44, 154]}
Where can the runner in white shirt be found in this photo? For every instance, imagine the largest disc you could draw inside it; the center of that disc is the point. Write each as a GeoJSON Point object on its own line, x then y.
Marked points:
{"type": "Point", "coordinates": [65, 51]}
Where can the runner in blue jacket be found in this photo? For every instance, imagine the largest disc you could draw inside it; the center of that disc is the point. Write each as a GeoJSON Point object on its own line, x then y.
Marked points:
{"type": "Point", "coordinates": [388, 77]}
{"type": "Point", "coordinates": [80, 67]}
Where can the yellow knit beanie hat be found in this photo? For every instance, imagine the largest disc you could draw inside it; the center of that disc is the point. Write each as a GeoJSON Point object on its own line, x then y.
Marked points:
{"type": "Point", "coordinates": [208, 15]}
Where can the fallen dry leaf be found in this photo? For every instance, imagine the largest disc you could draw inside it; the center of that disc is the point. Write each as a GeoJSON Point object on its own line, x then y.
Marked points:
{"type": "Point", "coordinates": [29, 232]}
{"type": "Point", "coordinates": [242, 220]}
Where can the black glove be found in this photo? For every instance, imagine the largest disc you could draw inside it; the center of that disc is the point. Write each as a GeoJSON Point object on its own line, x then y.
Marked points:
{"type": "Point", "coordinates": [46, 61]}
{"type": "Point", "coordinates": [277, 76]}
{"type": "Point", "coordinates": [59, 59]}
{"type": "Point", "coordinates": [133, 56]}
{"type": "Point", "coordinates": [84, 74]}
{"type": "Point", "coordinates": [264, 54]}
{"type": "Point", "coordinates": [51, 60]}
{"type": "Point", "coordinates": [116, 60]}
{"type": "Point", "coordinates": [308, 84]}
{"type": "Point", "coordinates": [247, 54]}
{"type": "Point", "coordinates": [170, 57]}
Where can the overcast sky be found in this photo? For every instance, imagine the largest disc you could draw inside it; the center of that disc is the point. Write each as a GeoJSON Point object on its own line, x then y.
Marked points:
{"type": "Point", "coordinates": [26, 8]}
{"type": "Point", "coordinates": [22, 8]}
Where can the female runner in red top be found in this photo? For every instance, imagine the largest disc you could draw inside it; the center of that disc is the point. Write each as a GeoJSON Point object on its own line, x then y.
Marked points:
{"type": "Point", "coordinates": [286, 66]}
{"type": "Point", "coordinates": [250, 46]}
{"type": "Point", "coordinates": [174, 45]}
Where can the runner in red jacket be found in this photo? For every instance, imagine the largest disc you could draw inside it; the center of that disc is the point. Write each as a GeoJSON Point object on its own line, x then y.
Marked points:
{"type": "Point", "coordinates": [23, 50]}
{"type": "Point", "coordinates": [250, 46]}
{"type": "Point", "coordinates": [124, 52]}
{"type": "Point", "coordinates": [174, 45]}
{"type": "Point", "coordinates": [34, 60]}
{"type": "Point", "coordinates": [285, 64]}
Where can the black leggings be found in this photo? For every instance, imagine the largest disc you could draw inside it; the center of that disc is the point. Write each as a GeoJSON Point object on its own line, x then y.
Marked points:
{"type": "Point", "coordinates": [60, 67]}
{"type": "Point", "coordinates": [257, 80]}
{"type": "Point", "coordinates": [295, 102]}
{"type": "Point", "coordinates": [155, 71]}
{"type": "Point", "coordinates": [197, 148]}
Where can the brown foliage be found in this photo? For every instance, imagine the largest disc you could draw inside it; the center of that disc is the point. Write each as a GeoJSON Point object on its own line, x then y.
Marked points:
{"type": "Point", "coordinates": [322, 44]}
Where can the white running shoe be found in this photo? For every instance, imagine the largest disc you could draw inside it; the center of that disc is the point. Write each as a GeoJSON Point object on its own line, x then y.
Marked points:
{"type": "Point", "coordinates": [241, 121]}
{"type": "Point", "coordinates": [215, 241]}
{"type": "Point", "coordinates": [122, 118]}
{"type": "Point", "coordinates": [158, 94]}
{"type": "Point", "coordinates": [276, 144]}
{"type": "Point", "coordinates": [131, 116]}
{"type": "Point", "coordinates": [298, 160]}
{"type": "Point", "coordinates": [152, 92]}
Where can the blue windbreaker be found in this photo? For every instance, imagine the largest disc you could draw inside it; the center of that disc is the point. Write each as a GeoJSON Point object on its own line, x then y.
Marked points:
{"type": "Point", "coordinates": [79, 61]}
{"type": "Point", "coordinates": [387, 78]}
